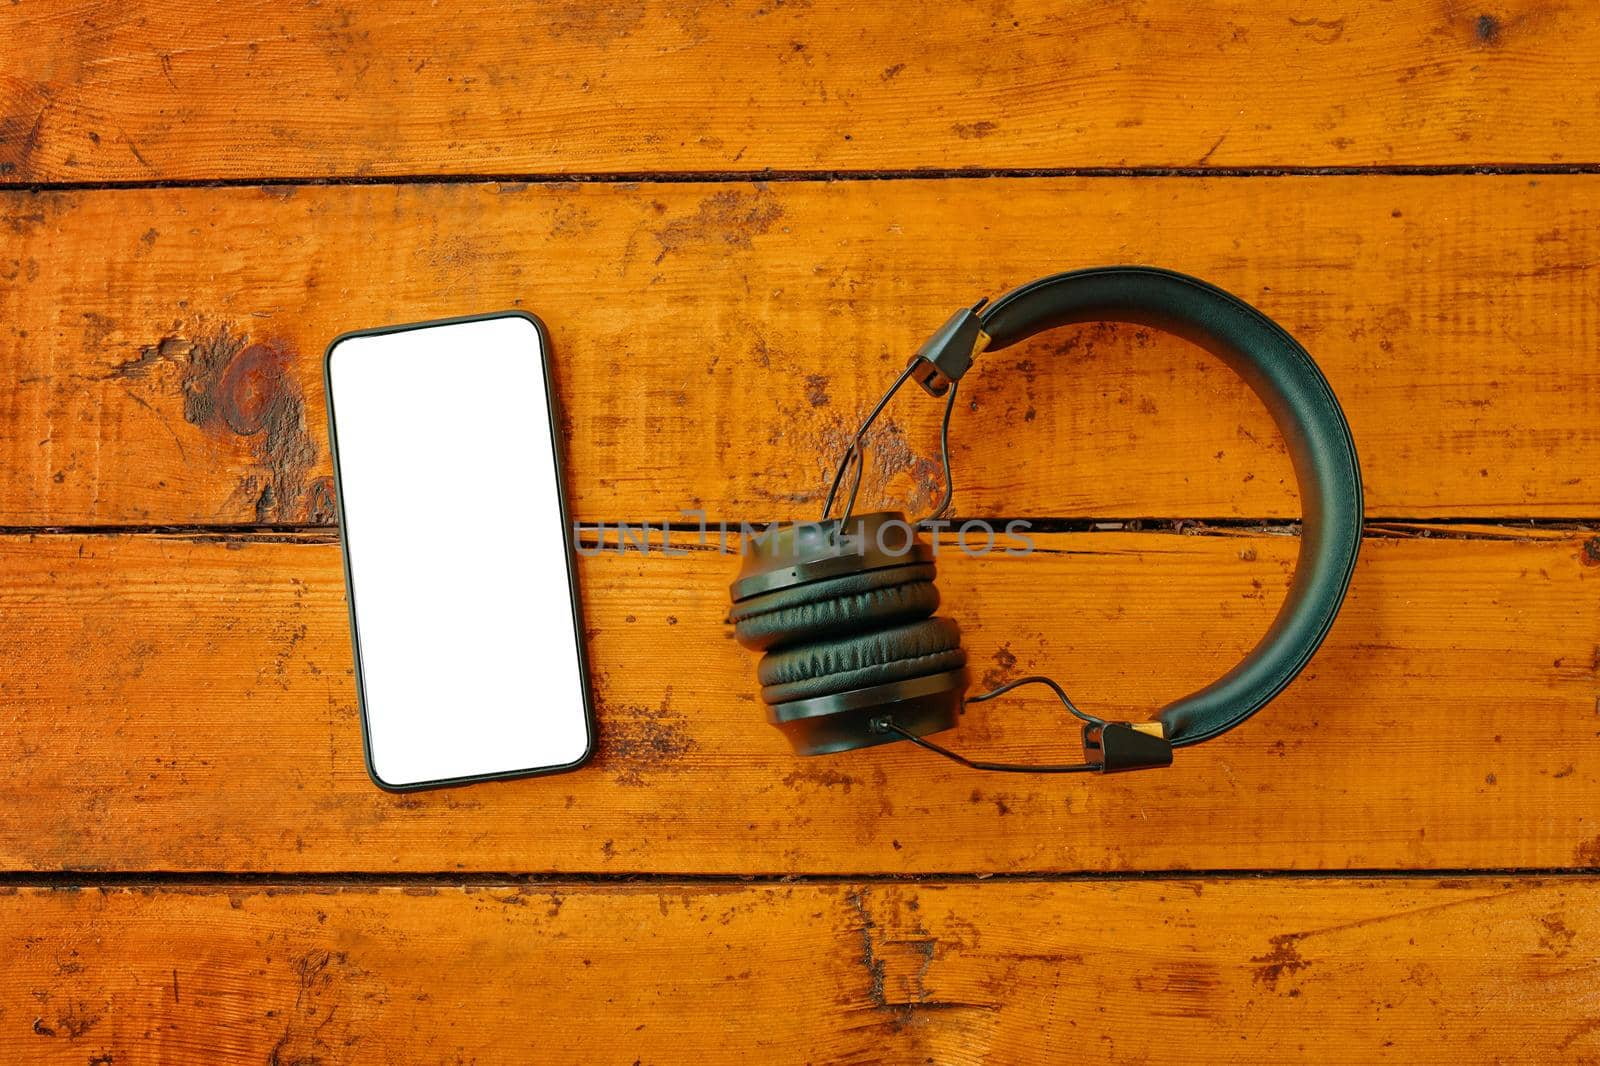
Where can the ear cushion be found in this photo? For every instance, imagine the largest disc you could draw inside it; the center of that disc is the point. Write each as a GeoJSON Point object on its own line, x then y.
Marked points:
{"type": "Point", "coordinates": [838, 607]}
{"type": "Point", "coordinates": [929, 646]}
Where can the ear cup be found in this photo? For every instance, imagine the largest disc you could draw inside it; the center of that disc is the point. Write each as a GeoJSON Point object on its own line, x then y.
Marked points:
{"type": "Point", "coordinates": [929, 646]}
{"type": "Point", "coordinates": [846, 624]}
{"type": "Point", "coordinates": [824, 610]}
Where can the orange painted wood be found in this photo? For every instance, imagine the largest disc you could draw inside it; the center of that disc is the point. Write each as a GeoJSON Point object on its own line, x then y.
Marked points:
{"type": "Point", "coordinates": [183, 704]}
{"type": "Point", "coordinates": [1157, 972]}
{"type": "Point", "coordinates": [147, 91]}
{"type": "Point", "coordinates": [715, 344]}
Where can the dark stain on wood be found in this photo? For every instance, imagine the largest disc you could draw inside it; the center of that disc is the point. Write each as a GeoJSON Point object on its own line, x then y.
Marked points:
{"type": "Point", "coordinates": [820, 778]}
{"type": "Point", "coordinates": [637, 740]}
{"type": "Point", "coordinates": [231, 384]}
{"type": "Point", "coordinates": [1590, 555]}
{"type": "Point", "coordinates": [77, 1020]}
{"type": "Point", "coordinates": [1283, 960]}
{"type": "Point", "coordinates": [149, 357]}
{"type": "Point", "coordinates": [594, 24]}
{"type": "Point", "coordinates": [22, 224]}
{"type": "Point", "coordinates": [321, 504]}
{"type": "Point", "coordinates": [817, 390]}
{"type": "Point", "coordinates": [869, 956]}
{"type": "Point", "coordinates": [897, 956]}
{"type": "Point", "coordinates": [1323, 31]}
{"type": "Point", "coordinates": [1587, 854]}
{"type": "Point", "coordinates": [732, 217]}
{"type": "Point", "coordinates": [1005, 662]}
{"type": "Point", "coordinates": [973, 131]}
{"type": "Point", "coordinates": [96, 328]}
{"type": "Point", "coordinates": [249, 390]}
{"type": "Point", "coordinates": [1555, 936]}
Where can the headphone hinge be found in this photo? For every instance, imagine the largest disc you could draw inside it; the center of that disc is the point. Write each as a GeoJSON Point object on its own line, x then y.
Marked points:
{"type": "Point", "coordinates": [948, 354]}
{"type": "Point", "coordinates": [1113, 747]}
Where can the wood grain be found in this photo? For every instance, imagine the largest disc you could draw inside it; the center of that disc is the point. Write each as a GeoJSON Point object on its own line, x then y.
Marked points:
{"type": "Point", "coordinates": [1158, 972]}
{"type": "Point", "coordinates": [148, 91]}
{"type": "Point", "coordinates": [715, 344]}
{"type": "Point", "coordinates": [184, 704]}
{"type": "Point", "coordinates": [181, 705]}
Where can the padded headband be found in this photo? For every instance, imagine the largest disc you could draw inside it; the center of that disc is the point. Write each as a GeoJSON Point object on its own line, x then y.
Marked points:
{"type": "Point", "coordinates": [1294, 390]}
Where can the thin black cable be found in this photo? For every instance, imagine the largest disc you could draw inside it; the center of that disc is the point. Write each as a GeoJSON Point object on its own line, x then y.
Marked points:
{"type": "Point", "coordinates": [1038, 679]}
{"type": "Point", "coordinates": [889, 726]}
{"type": "Point", "coordinates": [851, 452]}
{"type": "Point", "coordinates": [944, 457]}
{"type": "Point", "coordinates": [855, 483]}
{"type": "Point", "coordinates": [854, 450]}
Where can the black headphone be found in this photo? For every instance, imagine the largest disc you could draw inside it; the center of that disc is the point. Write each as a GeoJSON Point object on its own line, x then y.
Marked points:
{"type": "Point", "coordinates": [844, 609]}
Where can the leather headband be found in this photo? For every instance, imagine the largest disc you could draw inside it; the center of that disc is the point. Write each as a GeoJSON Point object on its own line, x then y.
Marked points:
{"type": "Point", "coordinates": [1294, 390]}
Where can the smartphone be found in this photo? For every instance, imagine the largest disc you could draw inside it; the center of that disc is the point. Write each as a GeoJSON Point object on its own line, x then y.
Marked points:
{"type": "Point", "coordinates": [458, 552]}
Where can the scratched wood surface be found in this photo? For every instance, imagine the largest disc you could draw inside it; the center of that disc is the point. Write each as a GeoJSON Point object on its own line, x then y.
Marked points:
{"type": "Point", "coordinates": [1473, 970]}
{"type": "Point", "coordinates": [141, 91]}
{"type": "Point", "coordinates": [714, 344]}
{"type": "Point", "coordinates": [193, 865]}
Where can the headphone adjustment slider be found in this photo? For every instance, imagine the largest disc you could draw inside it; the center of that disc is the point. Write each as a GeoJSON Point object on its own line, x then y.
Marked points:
{"type": "Point", "coordinates": [1113, 747]}
{"type": "Point", "coordinates": [948, 354]}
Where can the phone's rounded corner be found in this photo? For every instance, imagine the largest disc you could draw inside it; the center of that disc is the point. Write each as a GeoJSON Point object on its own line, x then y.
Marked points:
{"type": "Point", "coordinates": [377, 778]}
{"type": "Point", "coordinates": [333, 346]}
{"type": "Point", "coordinates": [585, 757]}
{"type": "Point", "coordinates": [371, 764]}
{"type": "Point", "coordinates": [517, 312]}
{"type": "Point", "coordinates": [540, 330]}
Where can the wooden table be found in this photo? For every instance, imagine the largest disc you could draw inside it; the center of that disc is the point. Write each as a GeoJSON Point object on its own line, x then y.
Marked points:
{"type": "Point", "coordinates": [737, 219]}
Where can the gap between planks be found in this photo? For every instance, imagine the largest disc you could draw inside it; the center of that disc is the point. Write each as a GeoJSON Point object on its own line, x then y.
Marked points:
{"type": "Point", "coordinates": [109, 879]}
{"type": "Point", "coordinates": [670, 177]}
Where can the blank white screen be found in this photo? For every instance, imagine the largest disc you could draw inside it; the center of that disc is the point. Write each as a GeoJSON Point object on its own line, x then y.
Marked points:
{"type": "Point", "coordinates": [457, 555]}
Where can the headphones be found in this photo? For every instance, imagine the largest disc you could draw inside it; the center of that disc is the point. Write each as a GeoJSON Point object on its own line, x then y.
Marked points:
{"type": "Point", "coordinates": [843, 608]}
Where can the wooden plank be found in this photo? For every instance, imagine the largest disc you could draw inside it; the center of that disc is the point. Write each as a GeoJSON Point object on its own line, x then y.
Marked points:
{"type": "Point", "coordinates": [1149, 972]}
{"type": "Point", "coordinates": [182, 704]}
{"type": "Point", "coordinates": [147, 91]}
{"type": "Point", "coordinates": [715, 344]}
